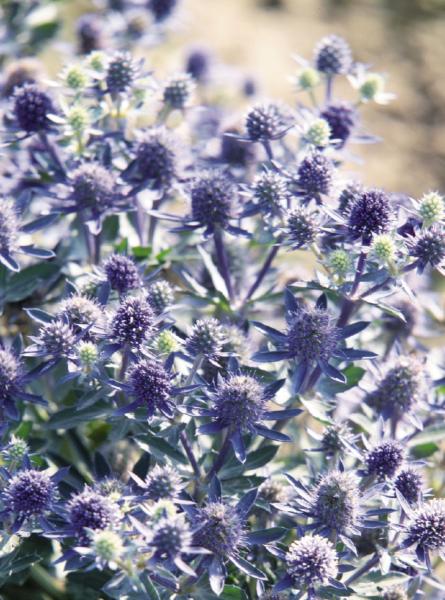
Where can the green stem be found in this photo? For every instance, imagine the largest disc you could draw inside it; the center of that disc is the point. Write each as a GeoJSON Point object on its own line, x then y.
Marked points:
{"type": "Point", "coordinates": [54, 587]}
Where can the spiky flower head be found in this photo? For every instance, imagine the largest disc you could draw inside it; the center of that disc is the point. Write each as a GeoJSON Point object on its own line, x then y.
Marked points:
{"type": "Point", "coordinates": [395, 593]}
{"type": "Point", "coordinates": [334, 437]}
{"type": "Point", "coordinates": [240, 401]}
{"type": "Point", "coordinates": [178, 90]}
{"type": "Point", "coordinates": [337, 500]}
{"type": "Point", "coordinates": [122, 273]}
{"type": "Point", "coordinates": [162, 483]}
{"type": "Point", "coordinates": [80, 310]}
{"type": "Point", "coordinates": [301, 227]}
{"type": "Point", "coordinates": [32, 107]}
{"type": "Point", "coordinates": [9, 226]}
{"type": "Point", "coordinates": [312, 335]}
{"type": "Point", "coordinates": [171, 536]}
{"type": "Point", "coordinates": [161, 9]}
{"type": "Point", "coordinates": [219, 528]}
{"type": "Point", "coordinates": [401, 388]}
{"type": "Point", "coordinates": [93, 187]}
{"type": "Point", "coordinates": [89, 30]}
{"type": "Point", "coordinates": [121, 73]}
{"type": "Point", "coordinates": [267, 121]}
{"type": "Point", "coordinates": [427, 525]}
{"type": "Point", "coordinates": [384, 248]}
{"type": "Point", "coordinates": [271, 192]}
{"type": "Point", "coordinates": [370, 214]}
{"type": "Point", "coordinates": [311, 560]}
{"type": "Point", "coordinates": [315, 174]}
{"type": "Point", "coordinates": [133, 322]}
{"type": "Point", "coordinates": [78, 118]}
{"type": "Point", "coordinates": [429, 247]}
{"type": "Point", "coordinates": [11, 373]}
{"type": "Point", "coordinates": [57, 338]}
{"type": "Point", "coordinates": [206, 338]}
{"type": "Point", "coordinates": [160, 296]}
{"type": "Point", "coordinates": [272, 490]}
{"type": "Point", "coordinates": [348, 196]}
{"type": "Point", "coordinates": [156, 158]}
{"type": "Point", "coordinates": [15, 451]}
{"type": "Point", "coordinates": [29, 493]}
{"type": "Point", "coordinates": [150, 384]}
{"type": "Point", "coordinates": [409, 482]}
{"type": "Point", "coordinates": [197, 64]}
{"type": "Point", "coordinates": [107, 546]}
{"type": "Point", "coordinates": [318, 133]}
{"type": "Point", "coordinates": [342, 118]}
{"type": "Point", "coordinates": [340, 262]}
{"type": "Point", "coordinates": [167, 342]}
{"type": "Point", "coordinates": [332, 56]}
{"type": "Point", "coordinates": [308, 78]}
{"type": "Point", "coordinates": [431, 208]}
{"type": "Point", "coordinates": [90, 510]}
{"type": "Point", "coordinates": [75, 77]}
{"type": "Point", "coordinates": [97, 61]}
{"type": "Point", "coordinates": [385, 459]}
{"type": "Point", "coordinates": [88, 354]}
{"type": "Point", "coordinates": [212, 198]}
{"type": "Point", "coordinates": [373, 85]}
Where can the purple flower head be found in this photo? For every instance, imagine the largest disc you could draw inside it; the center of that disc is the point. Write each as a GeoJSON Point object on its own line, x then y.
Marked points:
{"type": "Point", "coordinates": [11, 376]}
{"type": "Point", "coordinates": [301, 227]}
{"type": "Point", "coordinates": [80, 310]}
{"type": "Point", "coordinates": [90, 510]}
{"type": "Point", "coordinates": [428, 248]}
{"type": "Point", "coordinates": [132, 323]}
{"type": "Point", "coordinates": [219, 528]}
{"type": "Point", "coordinates": [93, 188]}
{"type": "Point", "coordinates": [32, 107]}
{"type": "Point", "coordinates": [163, 482]}
{"type": "Point", "coordinates": [370, 214]}
{"type": "Point", "coordinates": [426, 528]}
{"type": "Point", "coordinates": [56, 339]}
{"type": "Point", "coordinates": [89, 31]}
{"type": "Point", "coordinates": [267, 122]}
{"type": "Point", "coordinates": [332, 56]}
{"type": "Point", "coordinates": [156, 159]}
{"type": "Point", "coordinates": [336, 502]}
{"type": "Point", "coordinates": [161, 9]}
{"type": "Point", "coordinates": [206, 338]}
{"type": "Point", "coordinates": [151, 386]}
{"type": "Point", "coordinates": [197, 64]}
{"type": "Point", "coordinates": [160, 296]}
{"type": "Point", "coordinates": [171, 537]}
{"type": "Point", "coordinates": [311, 561]}
{"type": "Point", "coordinates": [315, 176]}
{"type": "Point", "coordinates": [212, 197]}
{"type": "Point", "coordinates": [312, 335]}
{"type": "Point", "coordinates": [348, 196]}
{"type": "Point", "coordinates": [178, 90]}
{"type": "Point", "coordinates": [122, 273]}
{"type": "Point", "coordinates": [121, 73]}
{"type": "Point", "coordinates": [385, 459]}
{"type": "Point", "coordinates": [342, 118]}
{"type": "Point", "coordinates": [270, 192]}
{"type": "Point", "coordinates": [409, 482]}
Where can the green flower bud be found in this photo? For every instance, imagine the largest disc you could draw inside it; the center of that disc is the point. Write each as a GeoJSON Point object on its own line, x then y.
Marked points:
{"type": "Point", "coordinates": [318, 133]}
{"type": "Point", "coordinates": [308, 78]}
{"type": "Point", "coordinates": [372, 86]}
{"type": "Point", "coordinates": [431, 208]}
{"type": "Point", "coordinates": [383, 248]}
{"type": "Point", "coordinates": [340, 263]}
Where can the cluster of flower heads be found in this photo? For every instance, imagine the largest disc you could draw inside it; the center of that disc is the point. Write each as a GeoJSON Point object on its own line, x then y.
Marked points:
{"type": "Point", "coordinates": [161, 348]}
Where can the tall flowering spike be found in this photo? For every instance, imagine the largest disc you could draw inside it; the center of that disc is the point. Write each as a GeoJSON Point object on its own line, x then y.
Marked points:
{"type": "Point", "coordinates": [212, 199]}
{"type": "Point", "coordinates": [206, 338]}
{"type": "Point", "coordinates": [429, 248]}
{"type": "Point", "coordinates": [178, 90]}
{"type": "Point", "coordinates": [93, 188]}
{"type": "Point", "coordinates": [337, 501]}
{"type": "Point", "coordinates": [312, 335]}
{"type": "Point", "coordinates": [342, 118]}
{"type": "Point", "coordinates": [426, 528]}
{"type": "Point", "coordinates": [90, 510]}
{"type": "Point", "coordinates": [150, 384]}
{"type": "Point", "coordinates": [56, 339]}
{"type": "Point", "coordinates": [409, 482]}
{"type": "Point", "coordinates": [315, 175]}
{"type": "Point", "coordinates": [132, 322]}
{"type": "Point", "coordinates": [301, 227]}
{"type": "Point", "coordinates": [122, 273]}
{"type": "Point", "coordinates": [240, 402]}
{"type": "Point", "coordinates": [161, 9]}
{"type": "Point", "coordinates": [271, 192]}
{"type": "Point", "coordinates": [32, 107]}
{"type": "Point", "coordinates": [370, 214]}
{"type": "Point", "coordinates": [311, 561]}
{"type": "Point", "coordinates": [121, 73]}
{"type": "Point", "coordinates": [156, 159]}
{"type": "Point", "coordinates": [267, 121]}
{"type": "Point", "coordinates": [9, 227]}
{"type": "Point", "coordinates": [400, 390]}
{"type": "Point", "coordinates": [219, 528]}
{"type": "Point", "coordinates": [162, 483]}
{"type": "Point", "coordinates": [171, 537]}
{"type": "Point", "coordinates": [384, 459]}
{"type": "Point", "coordinates": [29, 493]}
{"type": "Point", "coordinates": [160, 296]}
{"type": "Point", "coordinates": [332, 56]}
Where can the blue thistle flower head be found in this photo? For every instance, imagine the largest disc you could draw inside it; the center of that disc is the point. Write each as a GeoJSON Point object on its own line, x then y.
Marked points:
{"type": "Point", "coordinates": [342, 119]}
{"type": "Point", "coordinates": [198, 64]}
{"type": "Point", "coordinates": [121, 73]}
{"type": "Point", "coordinates": [32, 107]}
{"type": "Point", "coordinates": [171, 537]}
{"type": "Point", "coordinates": [335, 439]}
{"type": "Point", "coordinates": [93, 188]}
{"type": "Point", "coordinates": [80, 310]}
{"type": "Point", "coordinates": [122, 273]}
{"type": "Point", "coordinates": [370, 214]}
{"type": "Point", "coordinates": [132, 322]}
{"type": "Point", "coordinates": [336, 502]}
{"type": "Point", "coordinates": [301, 227]}
{"type": "Point", "coordinates": [315, 176]}
{"type": "Point", "coordinates": [178, 90]}
{"type": "Point", "coordinates": [409, 482]}
{"type": "Point", "coordinates": [160, 296]}
{"type": "Point", "coordinates": [206, 338]}
{"type": "Point", "coordinates": [332, 56]}
{"type": "Point", "coordinates": [311, 561]}
{"type": "Point", "coordinates": [11, 375]}
{"type": "Point", "coordinates": [151, 386]}
{"type": "Point", "coordinates": [163, 482]}
{"type": "Point", "coordinates": [161, 9]}
{"type": "Point", "coordinates": [385, 459]}
{"type": "Point", "coordinates": [428, 248]}
{"type": "Point", "coordinates": [213, 196]}
{"type": "Point", "coordinates": [267, 122]}
{"type": "Point", "coordinates": [91, 510]}
{"type": "Point", "coordinates": [239, 402]}
{"type": "Point", "coordinates": [56, 339]}
{"type": "Point", "coordinates": [312, 335]}
{"type": "Point", "coordinates": [15, 452]}
{"type": "Point", "coordinates": [89, 32]}
{"type": "Point", "coordinates": [426, 528]}
{"type": "Point", "coordinates": [348, 196]}
{"type": "Point", "coordinates": [156, 159]}
{"type": "Point", "coordinates": [219, 528]}
{"type": "Point", "coordinates": [271, 192]}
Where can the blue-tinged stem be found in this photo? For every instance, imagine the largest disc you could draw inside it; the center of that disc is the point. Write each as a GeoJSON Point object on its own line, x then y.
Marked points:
{"type": "Point", "coordinates": [219, 461]}
{"type": "Point", "coordinates": [190, 454]}
{"type": "Point", "coordinates": [268, 148]}
{"type": "Point", "coordinates": [263, 271]}
{"type": "Point", "coordinates": [329, 85]}
{"type": "Point", "coordinates": [53, 153]}
{"type": "Point", "coordinates": [223, 263]}
{"type": "Point", "coordinates": [366, 567]}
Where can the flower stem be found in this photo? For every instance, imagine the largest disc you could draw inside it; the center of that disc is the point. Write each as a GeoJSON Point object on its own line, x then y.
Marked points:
{"type": "Point", "coordinates": [223, 263]}
{"type": "Point", "coordinates": [53, 153]}
{"type": "Point", "coordinates": [263, 272]}
{"type": "Point", "coordinates": [366, 567]}
{"type": "Point", "coordinates": [48, 583]}
{"type": "Point", "coordinates": [219, 461]}
{"type": "Point", "coordinates": [190, 454]}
